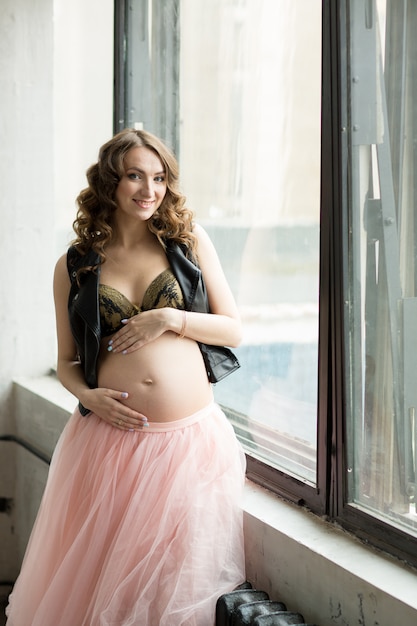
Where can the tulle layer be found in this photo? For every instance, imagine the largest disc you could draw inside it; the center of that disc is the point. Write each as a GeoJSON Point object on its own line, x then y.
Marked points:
{"type": "Point", "coordinates": [135, 528]}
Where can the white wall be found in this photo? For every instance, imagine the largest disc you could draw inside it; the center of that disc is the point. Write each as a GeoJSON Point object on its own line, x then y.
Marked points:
{"type": "Point", "coordinates": [83, 98]}
{"type": "Point", "coordinates": [27, 189]}
{"type": "Point", "coordinates": [56, 85]}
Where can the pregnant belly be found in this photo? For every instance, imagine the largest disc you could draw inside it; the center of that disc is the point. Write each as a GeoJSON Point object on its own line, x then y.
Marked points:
{"type": "Point", "coordinates": [166, 379]}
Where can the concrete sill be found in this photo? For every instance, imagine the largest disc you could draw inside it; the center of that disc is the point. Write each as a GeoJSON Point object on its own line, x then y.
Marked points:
{"type": "Point", "coordinates": [322, 571]}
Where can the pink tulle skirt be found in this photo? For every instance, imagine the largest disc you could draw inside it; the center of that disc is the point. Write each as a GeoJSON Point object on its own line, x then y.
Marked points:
{"type": "Point", "coordinates": [135, 528]}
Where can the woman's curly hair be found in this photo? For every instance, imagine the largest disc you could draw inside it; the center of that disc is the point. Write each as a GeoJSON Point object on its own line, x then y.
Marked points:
{"type": "Point", "coordinates": [96, 204]}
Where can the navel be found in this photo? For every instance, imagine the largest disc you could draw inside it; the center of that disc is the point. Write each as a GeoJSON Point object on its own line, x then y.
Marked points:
{"type": "Point", "coordinates": [148, 381]}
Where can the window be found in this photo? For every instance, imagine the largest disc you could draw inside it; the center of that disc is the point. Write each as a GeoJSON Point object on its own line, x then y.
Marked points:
{"type": "Point", "coordinates": [246, 135]}
{"type": "Point", "coordinates": [380, 256]}
{"type": "Point", "coordinates": [295, 126]}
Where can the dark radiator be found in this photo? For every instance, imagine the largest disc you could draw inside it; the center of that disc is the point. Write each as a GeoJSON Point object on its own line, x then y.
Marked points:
{"type": "Point", "coordinates": [246, 606]}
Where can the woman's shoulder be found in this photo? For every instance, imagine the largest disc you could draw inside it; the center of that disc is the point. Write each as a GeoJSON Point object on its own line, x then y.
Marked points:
{"type": "Point", "coordinates": [64, 266]}
{"type": "Point", "coordinates": [205, 245]}
{"type": "Point", "coordinates": [61, 276]}
{"type": "Point", "coordinates": [73, 260]}
{"type": "Point", "coordinates": [61, 264]}
{"type": "Point", "coordinates": [198, 230]}
{"type": "Point", "coordinates": [77, 258]}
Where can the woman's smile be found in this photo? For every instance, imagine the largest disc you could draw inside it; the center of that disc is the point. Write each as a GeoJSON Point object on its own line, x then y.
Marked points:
{"type": "Point", "coordinates": [145, 204]}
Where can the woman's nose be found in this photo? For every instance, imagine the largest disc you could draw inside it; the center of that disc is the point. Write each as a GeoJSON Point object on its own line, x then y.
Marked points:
{"type": "Point", "coordinates": [148, 187]}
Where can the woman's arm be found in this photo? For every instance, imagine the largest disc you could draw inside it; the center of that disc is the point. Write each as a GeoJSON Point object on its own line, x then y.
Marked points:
{"type": "Point", "coordinates": [223, 325]}
{"type": "Point", "coordinates": [106, 403]}
{"type": "Point", "coordinates": [68, 367]}
{"type": "Point", "coordinates": [220, 327]}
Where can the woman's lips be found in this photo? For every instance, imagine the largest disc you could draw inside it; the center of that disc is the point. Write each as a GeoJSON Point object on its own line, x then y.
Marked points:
{"type": "Point", "coordinates": [144, 204]}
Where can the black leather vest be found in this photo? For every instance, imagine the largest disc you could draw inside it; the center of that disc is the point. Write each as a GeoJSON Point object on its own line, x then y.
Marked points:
{"type": "Point", "coordinates": [83, 305]}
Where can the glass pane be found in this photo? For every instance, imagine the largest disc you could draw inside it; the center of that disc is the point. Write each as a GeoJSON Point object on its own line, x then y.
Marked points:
{"type": "Point", "coordinates": [250, 101]}
{"type": "Point", "coordinates": [382, 302]}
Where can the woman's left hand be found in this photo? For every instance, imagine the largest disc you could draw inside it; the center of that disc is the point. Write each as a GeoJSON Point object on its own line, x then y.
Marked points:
{"type": "Point", "coordinates": [138, 331]}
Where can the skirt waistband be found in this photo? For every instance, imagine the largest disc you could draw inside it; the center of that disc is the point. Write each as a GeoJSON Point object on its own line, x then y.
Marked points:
{"type": "Point", "coordinates": [161, 427]}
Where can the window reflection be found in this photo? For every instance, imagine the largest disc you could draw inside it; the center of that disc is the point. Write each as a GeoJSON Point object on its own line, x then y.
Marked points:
{"type": "Point", "coordinates": [250, 85]}
{"type": "Point", "coordinates": [382, 333]}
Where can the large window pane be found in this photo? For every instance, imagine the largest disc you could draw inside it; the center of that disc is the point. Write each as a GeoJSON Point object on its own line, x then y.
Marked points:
{"type": "Point", "coordinates": [250, 85]}
{"type": "Point", "coordinates": [381, 300]}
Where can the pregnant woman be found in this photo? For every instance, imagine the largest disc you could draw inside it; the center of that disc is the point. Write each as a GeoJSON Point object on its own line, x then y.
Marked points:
{"type": "Point", "coordinates": [140, 523]}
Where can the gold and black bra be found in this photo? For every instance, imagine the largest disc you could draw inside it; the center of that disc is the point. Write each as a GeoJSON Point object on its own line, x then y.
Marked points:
{"type": "Point", "coordinates": [164, 291]}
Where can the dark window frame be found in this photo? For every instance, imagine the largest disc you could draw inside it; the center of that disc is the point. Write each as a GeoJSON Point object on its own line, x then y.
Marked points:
{"type": "Point", "coordinates": [147, 96]}
{"type": "Point", "coordinates": [366, 527]}
{"type": "Point", "coordinates": [319, 498]}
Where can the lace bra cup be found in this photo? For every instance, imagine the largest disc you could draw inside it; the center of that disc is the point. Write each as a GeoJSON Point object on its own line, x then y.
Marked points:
{"type": "Point", "coordinates": [164, 291]}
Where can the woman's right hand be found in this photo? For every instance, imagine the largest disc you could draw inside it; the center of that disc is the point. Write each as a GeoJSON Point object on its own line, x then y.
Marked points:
{"type": "Point", "coordinates": [108, 405]}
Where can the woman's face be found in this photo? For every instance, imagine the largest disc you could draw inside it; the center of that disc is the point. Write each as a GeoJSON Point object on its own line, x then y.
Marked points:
{"type": "Point", "coordinates": [143, 186]}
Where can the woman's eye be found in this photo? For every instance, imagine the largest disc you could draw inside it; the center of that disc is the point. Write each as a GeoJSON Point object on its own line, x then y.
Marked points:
{"type": "Point", "coordinates": [137, 176]}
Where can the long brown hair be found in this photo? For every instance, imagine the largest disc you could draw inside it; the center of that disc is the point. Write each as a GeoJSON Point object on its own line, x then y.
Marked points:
{"type": "Point", "coordinates": [96, 203]}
